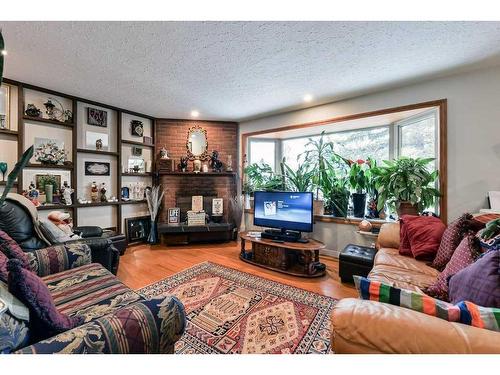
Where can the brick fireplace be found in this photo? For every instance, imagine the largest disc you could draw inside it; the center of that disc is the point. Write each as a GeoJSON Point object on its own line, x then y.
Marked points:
{"type": "Point", "coordinates": [221, 136]}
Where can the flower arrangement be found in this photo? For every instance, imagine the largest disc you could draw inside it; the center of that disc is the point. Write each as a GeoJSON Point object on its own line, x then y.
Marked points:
{"type": "Point", "coordinates": [50, 153]}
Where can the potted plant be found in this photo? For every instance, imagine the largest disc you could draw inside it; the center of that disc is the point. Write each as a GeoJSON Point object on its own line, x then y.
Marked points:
{"type": "Point", "coordinates": [318, 157]}
{"type": "Point", "coordinates": [299, 180]}
{"type": "Point", "coordinates": [358, 180]}
{"type": "Point", "coordinates": [372, 193]}
{"type": "Point", "coordinates": [261, 177]}
{"type": "Point", "coordinates": [406, 184]}
{"type": "Point", "coordinates": [335, 187]}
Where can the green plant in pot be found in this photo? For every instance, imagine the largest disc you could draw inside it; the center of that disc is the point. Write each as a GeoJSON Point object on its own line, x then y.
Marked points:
{"type": "Point", "coordinates": [318, 156]}
{"type": "Point", "coordinates": [48, 183]}
{"type": "Point", "coordinates": [335, 187]}
{"type": "Point", "coordinates": [299, 180]}
{"type": "Point", "coordinates": [406, 184]}
{"type": "Point", "coordinates": [358, 180]}
{"type": "Point", "coordinates": [261, 177]}
{"type": "Point", "coordinates": [372, 193]}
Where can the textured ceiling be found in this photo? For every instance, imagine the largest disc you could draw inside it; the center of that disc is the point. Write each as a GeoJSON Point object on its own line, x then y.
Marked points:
{"type": "Point", "coordinates": [239, 70]}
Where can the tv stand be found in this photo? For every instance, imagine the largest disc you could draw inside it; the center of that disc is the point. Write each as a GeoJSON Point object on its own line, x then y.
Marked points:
{"type": "Point", "coordinates": [293, 258]}
{"type": "Point", "coordinates": [283, 235]}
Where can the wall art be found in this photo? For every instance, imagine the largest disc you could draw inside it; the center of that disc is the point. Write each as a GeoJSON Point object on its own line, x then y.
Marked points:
{"type": "Point", "coordinates": [137, 229]}
{"type": "Point", "coordinates": [97, 117]}
{"type": "Point", "coordinates": [137, 128]}
{"type": "Point", "coordinates": [97, 168]}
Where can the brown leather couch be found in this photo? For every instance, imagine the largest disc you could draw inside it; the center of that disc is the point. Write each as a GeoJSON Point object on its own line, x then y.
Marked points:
{"type": "Point", "coordinates": [361, 326]}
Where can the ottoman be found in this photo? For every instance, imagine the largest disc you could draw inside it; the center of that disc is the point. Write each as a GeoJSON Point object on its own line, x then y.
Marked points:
{"type": "Point", "coordinates": [355, 260]}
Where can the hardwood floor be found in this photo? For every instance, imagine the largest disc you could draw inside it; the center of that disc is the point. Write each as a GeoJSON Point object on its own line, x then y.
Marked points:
{"type": "Point", "coordinates": [143, 265]}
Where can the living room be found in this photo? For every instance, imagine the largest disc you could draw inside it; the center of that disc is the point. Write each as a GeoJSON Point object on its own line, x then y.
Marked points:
{"type": "Point", "coordinates": [249, 187]}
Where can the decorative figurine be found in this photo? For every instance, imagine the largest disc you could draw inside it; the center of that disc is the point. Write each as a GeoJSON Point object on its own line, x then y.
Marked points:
{"type": "Point", "coordinates": [3, 122]}
{"type": "Point", "coordinates": [68, 116]}
{"type": "Point", "coordinates": [66, 193]}
{"type": "Point", "coordinates": [229, 166]}
{"type": "Point", "coordinates": [215, 163]}
{"type": "Point", "coordinates": [196, 165]}
{"type": "Point", "coordinates": [32, 111]}
{"type": "Point", "coordinates": [103, 193]}
{"type": "Point", "coordinates": [98, 144]}
{"type": "Point", "coordinates": [204, 168]}
{"type": "Point", "coordinates": [94, 192]}
{"type": "Point", "coordinates": [3, 169]}
{"type": "Point", "coordinates": [183, 163]}
{"type": "Point", "coordinates": [164, 154]}
{"type": "Point", "coordinates": [137, 128]}
{"type": "Point", "coordinates": [49, 109]}
{"type": "Point", "coordinates": [33, 194]}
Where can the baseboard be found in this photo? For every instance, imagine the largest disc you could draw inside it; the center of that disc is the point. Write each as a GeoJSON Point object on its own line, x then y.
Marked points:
{"type": "Point", "coordinates": [330, 253]}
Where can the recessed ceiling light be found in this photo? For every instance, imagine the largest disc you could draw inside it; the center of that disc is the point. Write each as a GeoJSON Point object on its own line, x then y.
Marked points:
{"type": "Point", "coordinates": [308, 98]}
{"type": "Point", "coordinates": [195, 113]}
{"type": "Point", "coordinates": [4, 52]}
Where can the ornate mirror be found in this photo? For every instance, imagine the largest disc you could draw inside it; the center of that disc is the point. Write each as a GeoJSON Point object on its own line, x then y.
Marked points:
{"type": "Point", "coordinates": [197, 143]}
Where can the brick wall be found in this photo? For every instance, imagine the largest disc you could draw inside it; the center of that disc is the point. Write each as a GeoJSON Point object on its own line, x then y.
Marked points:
{"type": "Point", "coordinates": [222, 136]}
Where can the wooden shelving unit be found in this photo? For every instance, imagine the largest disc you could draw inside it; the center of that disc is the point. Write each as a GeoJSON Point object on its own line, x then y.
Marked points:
{"type": "Point", "coordinates": [199, 174]}
{"type": "Point", "coordinates": [77, 151]}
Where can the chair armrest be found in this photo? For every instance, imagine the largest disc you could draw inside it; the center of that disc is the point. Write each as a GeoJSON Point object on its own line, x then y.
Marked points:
{"type": "Point", "coordinates": [89, 231]}
{"type": "Point", "coordinates": [58, 258]}
{"type": "Point", "coordinates": [388, 236]}
{"type": "Point", "coordinates": [150, 326]}
{"type": "Point", "coordinates": [103, 252]}
{"type": "Point", "coordinates": [361, 326]}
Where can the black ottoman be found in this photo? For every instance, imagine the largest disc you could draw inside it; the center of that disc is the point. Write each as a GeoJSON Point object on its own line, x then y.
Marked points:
{"type": "Point", "coordinates": [355, 260]}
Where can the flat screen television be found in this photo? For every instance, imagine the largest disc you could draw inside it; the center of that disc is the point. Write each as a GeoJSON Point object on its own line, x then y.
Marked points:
{"type": "Point", "coordinates": [284, 210]}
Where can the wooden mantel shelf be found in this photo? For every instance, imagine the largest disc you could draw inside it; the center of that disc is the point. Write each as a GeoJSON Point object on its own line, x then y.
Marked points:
{"type": "Point", "coordinates": [200, 174]}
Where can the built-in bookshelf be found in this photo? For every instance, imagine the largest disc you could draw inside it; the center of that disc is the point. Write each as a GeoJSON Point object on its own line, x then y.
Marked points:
{"type": "Point", "coordinates": [120, 146]}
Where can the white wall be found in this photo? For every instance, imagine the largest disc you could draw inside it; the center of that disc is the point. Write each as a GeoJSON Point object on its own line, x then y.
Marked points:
{"type": "Point", "coordinates": [473, 131]}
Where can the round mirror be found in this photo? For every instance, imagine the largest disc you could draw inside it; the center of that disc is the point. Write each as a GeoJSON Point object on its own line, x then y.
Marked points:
{"type": "Point", "coordinates": [197, 144]}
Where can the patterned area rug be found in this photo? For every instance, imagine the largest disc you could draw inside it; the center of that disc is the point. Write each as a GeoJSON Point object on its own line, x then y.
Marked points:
{"type": "Point", "coordinates": [229, 311]}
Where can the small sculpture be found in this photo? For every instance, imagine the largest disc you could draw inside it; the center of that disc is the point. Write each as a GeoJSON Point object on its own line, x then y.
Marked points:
{"type": "Point", "coordinates": [33, 194]}
{"type": "Point", "coordinates": [164, 154]}
{"type": "Point", "coordinates": [66, 193]}
{"type": "Point", "coordinates": [49, 106]}
{"type": "Point", "coordinates": [229, 166]}
{"type": "Point", "coordinates": [103, 193]}
{"type": "Point", "coordinates": [196, 165]}
{"type": "Point", "coordinates": [32, 111]}
{"type": "Point", "coordinates": [98, 144]}
{"type": "Point", "coordinates": [215, 163]}
{"type": "Point", "coordinates": [183, 163]}
{"type": "Point", "coordinates": [94, 192]}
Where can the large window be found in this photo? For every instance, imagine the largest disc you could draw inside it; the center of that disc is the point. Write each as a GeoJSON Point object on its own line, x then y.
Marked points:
{"type": "Point", "coordinates": [263, 152]}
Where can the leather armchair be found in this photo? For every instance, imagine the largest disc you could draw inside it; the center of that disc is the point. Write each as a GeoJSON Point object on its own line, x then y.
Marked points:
{"type": "Point", "coordinates": [18, 218]}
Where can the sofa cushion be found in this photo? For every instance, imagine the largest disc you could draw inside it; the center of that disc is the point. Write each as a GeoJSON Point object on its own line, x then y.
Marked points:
{"type": "Point", "coordinates": [487, 244]}
{"type": "Point", "coordinates": [53, 233]}
{"type": "Point", "coordinates": [12, 250]}
{"type": "Point", "coordinates": [424, 234]}
{"type": "Point", "coordinates": [3, 267]}
{"type": "Point", "coordinates": [401, 277]}
{"type": "Point", "coordinates": [452, 237]}
{"type": "Point", "coordinates": [404, 243]}
{"type": "Point", "coordinates": [90, 291]}
{"type": "Point", "coordinates": [45, 319]}
{"type": "Point", "coordinates": [478, 283]}
{"type": "Point", "coordinates": [465, 254]}
{"type": "Point", "coordinates": [14, 320]}
{"type": "Point", "coordinates": [391, 258]}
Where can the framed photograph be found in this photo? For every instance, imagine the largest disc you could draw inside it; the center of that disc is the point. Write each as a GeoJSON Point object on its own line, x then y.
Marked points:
{"type": "Point", "coordinates": [91, 139]}
{"type": "Point", "coordinates": [136, 151]}
{"type": "Point", "coordinates": [50, 151]}
{"type": "Point", "coordinates": [4, 107]}
{"type": "Point", "coordinates": [136, 165]}
{"type": "Point", "coordinates": [97, 117]}
{"type": "Point", "coordinates": [217, 206]}
{"type": "Point", "coordinates": [147, 140]}
{"type": "Point", "coordinates": [197, 203]}
{"type": "Point", "coordinates": [97, 168]}
{"type": "Point", "coordinates": [46, 179]}
{"type": "Point", "coordinates": [137, 229]}
{"type": "Point", "coordinates": [174, 215]}
{"type": "Point", "coordinates": [137, 128]}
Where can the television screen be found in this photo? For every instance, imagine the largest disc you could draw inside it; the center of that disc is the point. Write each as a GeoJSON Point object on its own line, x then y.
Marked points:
{"type": "Point", "coordinates": [284, 210]}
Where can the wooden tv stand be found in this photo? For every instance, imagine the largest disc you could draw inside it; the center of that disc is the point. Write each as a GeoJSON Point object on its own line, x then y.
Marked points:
{"type": "Point", "coordinates": [292, 258]}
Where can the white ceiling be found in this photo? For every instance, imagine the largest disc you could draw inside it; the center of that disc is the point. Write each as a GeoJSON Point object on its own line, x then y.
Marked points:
{"type": "Point", "coordinates": [239, 70]}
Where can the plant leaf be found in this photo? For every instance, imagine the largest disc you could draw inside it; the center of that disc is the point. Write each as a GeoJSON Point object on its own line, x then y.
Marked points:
{"type": "Point", "coordinates": [25, 158]}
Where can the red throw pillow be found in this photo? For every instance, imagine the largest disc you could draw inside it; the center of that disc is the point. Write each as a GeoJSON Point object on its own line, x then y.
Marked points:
{"type": "Point", "coordinates": [424, 233]}
{"type": "Point", "coordinates": [45, 319]}
{"type": "Point", "coordinates": [12, 250]}
{"type": "Point", "coordinates": [465, 254]}
{"type": "Point", "coordinates": [404, 240]}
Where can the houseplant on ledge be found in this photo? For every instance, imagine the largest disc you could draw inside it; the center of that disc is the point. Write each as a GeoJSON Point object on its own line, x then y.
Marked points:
{"type": "Point", "coordinates": [299, 180]}
{"type": "Point", "coordinates": [406, 184]}
{"type": "Point", "coordinates": [358, 179]}
{"type": "Point", "coordinates": [335, 187]}
{"type": "Point", "coordinates": [261, 177]}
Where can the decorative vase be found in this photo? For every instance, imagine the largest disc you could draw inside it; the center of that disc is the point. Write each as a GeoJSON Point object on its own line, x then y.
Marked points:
{"type": "Point", "coordinates": [407, 208]}
{"type": "Point", "coordinates": [49, 193]}
{"type": "Point", "coordinates": [153, 233]}
{"type": "Point", "coordinates": [359, 203]}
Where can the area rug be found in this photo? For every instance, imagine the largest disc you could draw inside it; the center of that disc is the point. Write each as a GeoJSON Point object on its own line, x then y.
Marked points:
{"type": "Point", "coordinates": [230, 311]}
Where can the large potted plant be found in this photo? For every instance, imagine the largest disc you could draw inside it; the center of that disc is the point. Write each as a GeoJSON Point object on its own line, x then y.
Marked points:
{"type": "Point", "coordinates": [261, 177]}
{"type": "Point", "coordinates": [358, 180]}
{"type": "Point", "coordinates": [335, 187]}
{"type": "Point", "coordinates": [318, 155]}
{"type": "Point", "coordinates": [299, 180]}
{"type": "Point", "coordinates": [407, 185]}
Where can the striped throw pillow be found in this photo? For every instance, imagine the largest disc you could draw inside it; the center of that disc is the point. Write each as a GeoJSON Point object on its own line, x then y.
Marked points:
{"type": "Point", "coordinates": [463, 312]}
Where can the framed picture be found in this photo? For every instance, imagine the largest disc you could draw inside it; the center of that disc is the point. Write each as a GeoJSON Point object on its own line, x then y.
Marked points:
{"type": "Point", "coordinates": [136, 151]}
{"type": "Point", "coordinates": [137, 229]}
{"type": "Point", "coordinates": [147, 140]}
{"type": "Point", "coordinates": [91, 139]}
{"type": "Point", "coordinates": [217, 206]}
{"type": "Point", "coordinates": [4, 107]}
{"type": "Point", "coordinates": [97, 168]}
{"type": "Point", "coordinates": [46, 179]}
{"type": "Point", "coordinates": [137, 128]}
{"type": "Point", "coordinates": [97, 117]}
{"type": "Point", "coordinates": [174, 215]}
{"type": "Point", "coordinates": [136, 165]}
{"type": "Point", "coordinates": [50, 151]}
{"type": "Point", "coordinates": [197, 203]}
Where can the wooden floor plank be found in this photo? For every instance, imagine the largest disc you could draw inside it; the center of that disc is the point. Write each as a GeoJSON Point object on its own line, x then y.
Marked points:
{"type": "Point", "coordinates": [142, 265]}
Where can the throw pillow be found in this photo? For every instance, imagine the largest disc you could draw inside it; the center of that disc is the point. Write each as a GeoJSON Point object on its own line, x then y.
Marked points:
{"type": "Point", "coordinates": [14, 332]}
{"type": "Point", "coordinates": [404, 240]}
{"type": "Point", "coordinates": [452, 237]}
{"type": "Point", "coordinates": [488, 244]}
{"type": "Point", "coordinates": [3, 267]}
{"type": "Point", "coordinates": [53, 233]}
{"type": "Point", "coordinates": [465, 254]}
{"type": "Point", "coordinates": [463, 312]}
{"type": "Point", "coordinates": [424, 233]}
{"type": "Point", "coordinates": [45, 319]}
{"type": "Point", "coordinates": [12, 250]}
{"type": "Point", "coordinates": [478, 283]}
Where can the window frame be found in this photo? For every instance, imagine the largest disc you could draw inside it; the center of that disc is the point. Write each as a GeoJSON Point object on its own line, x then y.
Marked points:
{"type": "Point", "coordinates": [277, 149]}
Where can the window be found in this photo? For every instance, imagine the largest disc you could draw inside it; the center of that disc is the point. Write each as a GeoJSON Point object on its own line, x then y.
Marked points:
{"type": "Point", "coordinates": [263, 152]}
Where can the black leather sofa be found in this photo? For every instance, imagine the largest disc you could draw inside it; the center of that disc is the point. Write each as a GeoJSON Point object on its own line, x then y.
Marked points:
{"type": "Point", "coordinates": [17, 222]}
